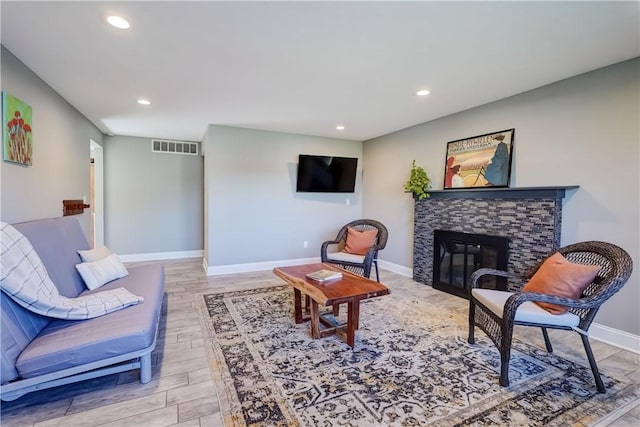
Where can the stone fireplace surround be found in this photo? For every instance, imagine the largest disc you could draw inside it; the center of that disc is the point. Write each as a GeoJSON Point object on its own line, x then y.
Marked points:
{"type": "Point", "coordinates": [530, 218]}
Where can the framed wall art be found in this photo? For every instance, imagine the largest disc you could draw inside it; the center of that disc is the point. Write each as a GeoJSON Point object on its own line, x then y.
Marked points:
{"type": "Point", "coordinates": [479, 161]}
{"type": "Point", "coordinates": [17, 138]}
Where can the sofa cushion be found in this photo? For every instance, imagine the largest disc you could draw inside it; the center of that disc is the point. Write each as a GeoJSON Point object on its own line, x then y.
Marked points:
{"type": "Point", "coordinates": [56, 241]}
{"type": "Point", "coordinates": [18, 327]}
{"type": "Point", "coordinates": [64, 344]}
{"type": "Point", "coordinates": [24, 278]}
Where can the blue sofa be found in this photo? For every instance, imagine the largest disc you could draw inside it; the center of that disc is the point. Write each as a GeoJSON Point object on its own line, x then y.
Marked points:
{"type": "Point", "coordinates": [39, 352]}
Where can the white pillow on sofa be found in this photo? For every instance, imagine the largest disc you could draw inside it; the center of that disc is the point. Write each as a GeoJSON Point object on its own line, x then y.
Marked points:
{"type": "Point", "coordinates": [96, 254]}
{"type": "Point", "coordinates": [97, 273]}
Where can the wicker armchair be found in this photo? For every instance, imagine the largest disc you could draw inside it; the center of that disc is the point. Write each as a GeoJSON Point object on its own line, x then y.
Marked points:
{"type": "Point", "coordinates": [496, 312]}
{"type": "Point", "coordinates": [357, 263]}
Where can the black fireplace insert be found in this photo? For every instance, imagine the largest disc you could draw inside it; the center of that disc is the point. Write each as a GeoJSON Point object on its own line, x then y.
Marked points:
{"type": "Point", "coordinates": [456, 255]}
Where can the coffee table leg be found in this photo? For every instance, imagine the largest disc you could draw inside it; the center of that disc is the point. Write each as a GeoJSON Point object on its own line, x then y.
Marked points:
{"type": "Point", "coordinates": [336, 310]}
{"type": "Point", "coordinates": [353, 316]}
{"type": "Point", "coordinates": [315, 320]}
{"type": "Point", "coordinates": [297, 305]}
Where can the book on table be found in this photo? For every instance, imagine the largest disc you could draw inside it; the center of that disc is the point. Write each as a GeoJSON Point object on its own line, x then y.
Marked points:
{"type": "Point", "coordinates": [322, 276]}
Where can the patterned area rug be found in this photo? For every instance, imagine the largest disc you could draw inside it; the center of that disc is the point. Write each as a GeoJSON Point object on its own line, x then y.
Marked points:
{"type": "Point", "coordinates": [410, 366]}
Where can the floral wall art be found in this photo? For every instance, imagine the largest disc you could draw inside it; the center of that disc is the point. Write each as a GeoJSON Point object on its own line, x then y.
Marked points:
{"type": "Point", "coordinates": [17, 137]}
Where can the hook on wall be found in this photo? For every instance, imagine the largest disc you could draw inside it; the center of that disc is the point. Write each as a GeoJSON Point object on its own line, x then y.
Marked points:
{"type": "Point", "coordinates": [73, 207]}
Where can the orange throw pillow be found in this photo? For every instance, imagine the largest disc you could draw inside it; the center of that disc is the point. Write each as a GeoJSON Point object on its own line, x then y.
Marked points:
{"type": "Point", "coordinates": [358, 242]}
{"type": "Point", "coordinates": [557, 276]}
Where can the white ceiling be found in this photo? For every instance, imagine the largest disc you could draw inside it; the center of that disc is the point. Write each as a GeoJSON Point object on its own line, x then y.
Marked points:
{"type": "Point", "coordinates": [305, 67]}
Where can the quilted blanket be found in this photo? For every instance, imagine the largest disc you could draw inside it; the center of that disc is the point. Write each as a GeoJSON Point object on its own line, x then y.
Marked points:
{"type": "Point", "coordinates": [24, 278]}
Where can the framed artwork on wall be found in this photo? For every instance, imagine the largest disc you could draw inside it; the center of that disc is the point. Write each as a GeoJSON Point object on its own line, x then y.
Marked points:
{"type": "Point", "coordinates": [479, 161]}
{"type": "Point", "coordinates": [17, 137]}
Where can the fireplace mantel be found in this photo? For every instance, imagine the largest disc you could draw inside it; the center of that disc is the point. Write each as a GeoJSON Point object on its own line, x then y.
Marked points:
{"type": "Point", "coordinates": [503, 193]}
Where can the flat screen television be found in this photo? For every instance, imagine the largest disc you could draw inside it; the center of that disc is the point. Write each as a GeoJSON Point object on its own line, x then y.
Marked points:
{"type": "Point", "coordinates": [326, 174]}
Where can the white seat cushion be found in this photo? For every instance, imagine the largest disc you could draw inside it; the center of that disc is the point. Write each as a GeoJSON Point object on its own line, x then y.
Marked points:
{"type": "Point", "coordinates": [343, 256]}
{"type": "Point", "coordinates": [529, 312]}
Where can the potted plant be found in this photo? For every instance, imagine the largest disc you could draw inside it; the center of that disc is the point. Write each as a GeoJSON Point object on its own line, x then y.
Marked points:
{"type": "Point", "coordinates": [418, 183]}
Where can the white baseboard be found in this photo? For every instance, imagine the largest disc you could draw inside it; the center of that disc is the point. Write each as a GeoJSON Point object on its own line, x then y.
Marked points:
{"type": "Point", "coordinates": [158, 256]}
{"type": "Point", "coordinates": [615, 337]}
{"type": "Point", "coordinates": [255, 266]}
{"type": "Point", "coordinates": [396, 268]}
{"type": "Point", "coordinates": [268, 265]}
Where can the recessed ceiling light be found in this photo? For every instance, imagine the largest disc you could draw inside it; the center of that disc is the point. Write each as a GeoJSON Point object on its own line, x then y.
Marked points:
{"type": "Point", "coordinates": [340, 127]}
{"type": "Point", "coordinates": [423, 93]}
{"type": "Point", "coordinates": [144, 102]}
{"type": "Point", "coordinates": [118, 22]}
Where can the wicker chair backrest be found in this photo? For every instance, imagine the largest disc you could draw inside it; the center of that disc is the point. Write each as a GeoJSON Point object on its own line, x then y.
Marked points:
{"type": "Point", "coordinates": [364, 225]}
{"type": "Point", "coordinates": [615, 264]}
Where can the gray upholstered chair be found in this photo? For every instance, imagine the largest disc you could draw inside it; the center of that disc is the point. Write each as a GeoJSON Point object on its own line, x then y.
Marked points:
{"type": "Point", "coordinates": [359, 264]}
{"type": "Point", "coordinates": [497, 312]}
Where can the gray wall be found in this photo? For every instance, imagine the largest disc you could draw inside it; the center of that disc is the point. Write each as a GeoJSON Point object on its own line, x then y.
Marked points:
{"type": "Point", "coordinates": [583, 130]}
{"type": "Point", "coordinates": [153, 201]}
{"type": "Point", "coordinates": [61, 136]}
{"type": "Point", "coordinates": [253, 211]}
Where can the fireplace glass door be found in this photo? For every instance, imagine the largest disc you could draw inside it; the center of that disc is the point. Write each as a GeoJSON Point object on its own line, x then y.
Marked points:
{"type": "Point", "coordinates": [457, 255]}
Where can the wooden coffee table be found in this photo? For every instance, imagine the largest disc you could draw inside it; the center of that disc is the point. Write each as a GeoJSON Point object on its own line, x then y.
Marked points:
{"type": "Point", "coordinates": [351, 289]}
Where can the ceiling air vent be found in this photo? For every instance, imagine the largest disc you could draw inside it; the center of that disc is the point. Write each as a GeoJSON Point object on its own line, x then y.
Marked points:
{"type": "Point", "coordinates": [174, 147]}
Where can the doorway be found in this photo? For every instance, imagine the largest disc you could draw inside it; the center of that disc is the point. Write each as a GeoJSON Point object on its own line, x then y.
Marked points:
{"type": "Point", "coordinates": [97, 194]}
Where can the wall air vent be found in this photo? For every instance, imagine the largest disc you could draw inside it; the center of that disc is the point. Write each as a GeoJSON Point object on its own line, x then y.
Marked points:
{"type": "Point", "coordinates": [174, 147]}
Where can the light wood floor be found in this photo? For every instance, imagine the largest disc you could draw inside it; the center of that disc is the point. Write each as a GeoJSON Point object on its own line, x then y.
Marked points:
{"type": "Point", "coordinates": [181, 392]}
